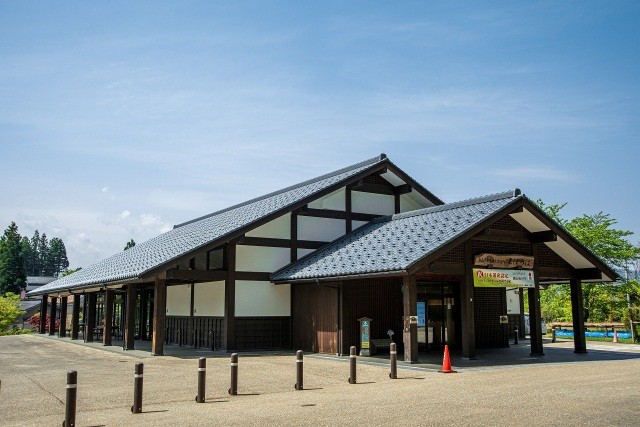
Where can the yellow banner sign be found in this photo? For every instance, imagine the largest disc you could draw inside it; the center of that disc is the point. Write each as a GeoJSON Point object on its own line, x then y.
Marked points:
{"type": "Point", "coordinates": [496, 278]}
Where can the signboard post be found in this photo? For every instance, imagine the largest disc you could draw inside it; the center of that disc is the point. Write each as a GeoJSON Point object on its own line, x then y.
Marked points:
{"type": "Point", "coordinates": [365, 336]}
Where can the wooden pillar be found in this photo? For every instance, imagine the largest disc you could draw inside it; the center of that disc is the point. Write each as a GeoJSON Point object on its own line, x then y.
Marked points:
{"type": "Point", "coordinates": [410, 308]}
{"type": "Point", "coordinates": [577, 310]}
{"type": "Point", "coordinates": [396, 202]}
{"type": "Point", "coordinates": [75, 317]}
{"type": "Point", "coordinates": [521, 324]}
{"type": "Point", "coordinates": [62, 330]}
{"type": "Point", "coordinates": [229, 337]}
{"type": "Point", "coordinates": [347, 209]}
{"type": "Point", "coordinates": [107, 321]}
{"type": "Point", "coordinates": [535, 329]}
{"type": "Point", "coordinates": [159, 315]}
{"type": "Point", "coordinates": [42, 329]}
{"type": "Point", "coordinates": [52, 315]}
{"type": "Point", "coordinates": [130, 317]}
{"type": "Point", "coordinates": [294, 236]}
{"type": "Point", "coordinates": [143, 322]}
{"type": "Point", "coordinates": [192, 288]}
{"type": "Point", "coordinates": [90, 322]}
{"type": "Point", "coordinates": [467, 314]}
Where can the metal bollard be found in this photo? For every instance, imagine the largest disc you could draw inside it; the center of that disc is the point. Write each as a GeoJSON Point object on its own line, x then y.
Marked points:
{"type": "Point", "coordinates": [70, 405]}
{"type": "Point", "coordinates": [299, 371]}
{"type": "Point", "coordinates": [553, 334]}
{"type": "Point", "coordinates": [137, 388]}
{"type": "Point", "coordinates": [352, 365]}
{"type": "Point", "coordinates": [234, 374]}
{"type": "Point", "coordinates": [202, 377]}
{"type": "Point", "coordinates": [515, 341]}
{"type": "Point", "coordinates": [393, 355]}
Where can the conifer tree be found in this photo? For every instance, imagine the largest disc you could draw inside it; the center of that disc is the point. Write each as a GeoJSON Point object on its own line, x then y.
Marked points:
{"type": "Point", "coordinates": [12, 275]}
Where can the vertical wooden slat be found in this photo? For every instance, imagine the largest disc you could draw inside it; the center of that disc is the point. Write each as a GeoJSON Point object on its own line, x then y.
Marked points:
{"type": "Point", "coordinates": [410, 308]}
{"type": "Point", "coordinates": [90, 322]}
{"type": "Point", "coordinates": [467, 306]}
{"type": "Point", "coordinates": [107, 320]}
{"type": "Point", "coordinates": [577, 310]}
{"type": "Point", "coordinates": [130, 317]}
{"type": "Point", "coordinates": [75, 317]}
{"type": "Point", "coordinates": [62, 330]}
{"type": "Point", "coordinates": [52, 315]}
{"type": "Point", "coordinates": [159, 315]}
{"type": "Point", "coordinates": [229, 338]}
{"type": "Point", "coordinates": [43, 314]}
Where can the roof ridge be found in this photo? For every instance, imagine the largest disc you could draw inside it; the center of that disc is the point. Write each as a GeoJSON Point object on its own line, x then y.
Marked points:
{"type": "Point", "coordinates": [370, 161]}
{"type": "Point", "coordinates": [467, 202]}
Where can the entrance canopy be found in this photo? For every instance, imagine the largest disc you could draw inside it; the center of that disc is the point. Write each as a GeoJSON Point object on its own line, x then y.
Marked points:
{"type": "Point", "coordinates": [405, 243]}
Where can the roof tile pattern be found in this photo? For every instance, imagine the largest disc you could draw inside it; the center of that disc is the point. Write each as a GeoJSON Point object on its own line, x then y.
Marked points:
{"type": "Point", "coordinates": [134, 262]}
{"type": "Point", "coordinates": [394, 243]}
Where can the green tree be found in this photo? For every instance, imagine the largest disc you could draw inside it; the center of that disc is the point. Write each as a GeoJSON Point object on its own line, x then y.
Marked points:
{"type": "Point", "coordinates": [33, 268]}
{"type": "Point", "coordinates": [44, 257]}
{"type": "Point", "coordinates": [602, 302]}
{"type": "Point", "coordinates": [131, 243]}
{"type": "Point", "coordinates": [57, 257]}
{"type": "Point", "coordinates": [12, 275]}
{"type": "Point", "coordinates": [9, 310]}
{"type": "Point", "coordinates": [70, 271]}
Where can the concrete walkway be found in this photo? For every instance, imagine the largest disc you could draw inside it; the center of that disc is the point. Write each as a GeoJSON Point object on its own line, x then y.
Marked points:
{"type": "Point", "coordinates": [599, 388]}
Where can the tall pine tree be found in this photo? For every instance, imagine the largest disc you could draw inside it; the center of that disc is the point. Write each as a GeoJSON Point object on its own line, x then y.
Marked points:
{"type": "Point", "coordinates": [34, 262]}
{"type": "Point", "coordinates": [58, 261]}
{"type": "Point", "coordinates": [12, 274]}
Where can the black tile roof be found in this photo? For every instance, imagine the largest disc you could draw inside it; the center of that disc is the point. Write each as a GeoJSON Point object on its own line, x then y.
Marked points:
{"type": "Point", "coordinates": [189, 236]}
{"type": "Point", "coordinates": [393, 244]}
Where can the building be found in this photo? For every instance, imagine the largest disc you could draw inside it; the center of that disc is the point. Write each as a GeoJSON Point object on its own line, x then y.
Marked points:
{"type": "Point", "coordinates": [298, 267]}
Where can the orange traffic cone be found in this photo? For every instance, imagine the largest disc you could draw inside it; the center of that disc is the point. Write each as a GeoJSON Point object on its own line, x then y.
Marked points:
{"type": "Point", "coordinates": [615, 336]}
{"type": "Point", "coordinates": [446, 362]}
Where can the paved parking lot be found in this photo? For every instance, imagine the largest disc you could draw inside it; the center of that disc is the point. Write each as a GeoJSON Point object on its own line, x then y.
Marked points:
{"type": "Point", "coordinates": [600, 388]}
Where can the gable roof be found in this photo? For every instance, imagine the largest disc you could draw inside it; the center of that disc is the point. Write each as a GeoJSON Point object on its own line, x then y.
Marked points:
{"type": "Point", "coordinates": [214, 229]}
{"type": "Point", "coordinates": [399, 244]}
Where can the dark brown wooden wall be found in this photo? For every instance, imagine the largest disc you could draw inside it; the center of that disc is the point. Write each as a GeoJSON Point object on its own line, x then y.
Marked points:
{"type": "Point", "coordinates": [314, 318]}
{"type": "Point", "coordinates": [378, 299]}
{"type": "Point", "coordinates": [489, 305]}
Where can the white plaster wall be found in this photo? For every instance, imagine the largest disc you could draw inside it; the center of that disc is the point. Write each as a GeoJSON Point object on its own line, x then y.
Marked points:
{"type": "Point", "coordinates": [262, 299]}
{"type": "Point", "coordinates": [380, 204]}
{"type": "Point", "coordinates": [333, 201]}
{"type": "Point", "coordinates": [357, 224]}
{"type": "Point", "coordinates": [303, 252]}
{"type": "Point", "coordinates": [261, 258]}
{"type": "Point", "coordinates": [322, 229]}
{"type": "Point", "coordinates": [279, 228]}
{"type": "Point", "coordinates": [408, 204]}
{"type": "Point", "coordinates": [178, 300]}
{"type": "Point", "coordinates": [208, 299]}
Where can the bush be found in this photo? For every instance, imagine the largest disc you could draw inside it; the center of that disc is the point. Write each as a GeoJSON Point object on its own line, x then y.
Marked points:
{"type": "Point", "coordinates": [9, 310]}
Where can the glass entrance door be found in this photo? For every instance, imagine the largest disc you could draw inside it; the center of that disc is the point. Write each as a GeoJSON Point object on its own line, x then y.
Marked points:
{"type": "Point", "coordinates": [436, 305]}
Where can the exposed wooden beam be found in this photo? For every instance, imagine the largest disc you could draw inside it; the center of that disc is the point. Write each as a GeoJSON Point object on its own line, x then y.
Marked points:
{"type": "Point", "coordinates": [280, 243]}
{"type": "Point", "coordinates": [543, 236]}
{"type": "Point", "coordinates": [194, 275]}
{"type": "Point", "coordinates": [402, 189]}
{"type": "Point", "coordinates": [556, 272]}
{"type": "Point", "coordinates": [441, 267]}
{"type": "Point", "coordinates": [330, 213]}
{"type": "Point", "coordinates": [253, 275]}
{"type": "Point", "coordinates": [366, 187]}
{"type": "Point", "coordinates": [588, 274]}
{"type": "Point", "coordinates": [506, 236]}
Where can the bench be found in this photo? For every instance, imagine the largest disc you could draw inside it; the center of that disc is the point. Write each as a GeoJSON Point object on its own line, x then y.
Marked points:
{"type": "Point", "coordinates": [383, 343]}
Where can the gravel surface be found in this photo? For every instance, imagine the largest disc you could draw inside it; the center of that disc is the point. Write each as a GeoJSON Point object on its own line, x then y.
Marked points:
{"type": "Point", "coordinates": [33, 373]}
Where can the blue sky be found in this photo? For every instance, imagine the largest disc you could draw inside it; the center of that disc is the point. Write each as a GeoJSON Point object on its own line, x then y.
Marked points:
{"type": "Point", "coordinates": [118, 120]}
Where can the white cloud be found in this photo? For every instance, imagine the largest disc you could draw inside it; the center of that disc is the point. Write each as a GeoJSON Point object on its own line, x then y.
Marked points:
{"type": "Point", "coordinates": [105, 189]}
{"type": "Point", "coordinates": [125, 214]}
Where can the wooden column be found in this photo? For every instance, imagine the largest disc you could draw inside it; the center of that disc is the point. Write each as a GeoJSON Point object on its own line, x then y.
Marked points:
{"type": "Point", "coordinates": [90, 321]}
{"type": "Point", "coordinates": [130, 317]}
{"type": "Point", "coordinates": [159, 315]}
{"type": "Point", "coordinates": [107, 320]}
{"type": "Point", "coordinates": [62, 330]}
{"type": "Point", "coordinates": [577, 310]}
{"type": "Point", "coordinates": [294, 236]}
{"type": "Point", "coordinates": [347, 209]}
{"type": "Point", "coordinates": [467, 314]}
{"type": "Point", "coordinates": [229, 337]}
{"type": "Point", "coordinates": [521, 324]}
{"type": "Point", "coordinates": [75, 317]}
{"type": "Point", "coordinates": [192, 288]}
{"type": "Point", "coordinates": [52, 315]}
{"type": "Point", "coordinates": [396, 202]}
{"type": "Point", "coordinates": [42, 329]}
{"type": "Point", "coordinates": [410, 308]}
{"type": "Point", "coordinates": [535, 329]}
{"type": "Point", "coordinates": [143, 314]}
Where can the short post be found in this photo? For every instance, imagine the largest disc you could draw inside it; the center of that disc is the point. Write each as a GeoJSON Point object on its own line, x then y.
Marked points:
{"type": "Point", "coordinates": [615, 335]}
{"type": "Point", "coordinates": [70, 405]}
{"type": "Point", "coordinates": [137, 389]}
{"type": "Point", "coordinates": [299, 371]}
{"type": "Point", "coordinates": [393, 355]}
{"type": "Point", "coordinates": [515, 341]}
{"type": "Point", "coordinates": [234, 374]}
{"type": "Point", "coordinates": [553, 334]}
{"type": "Point", "coordinates": [202, 377]}
{"type": "Point", "coordinates": [352, 364]}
